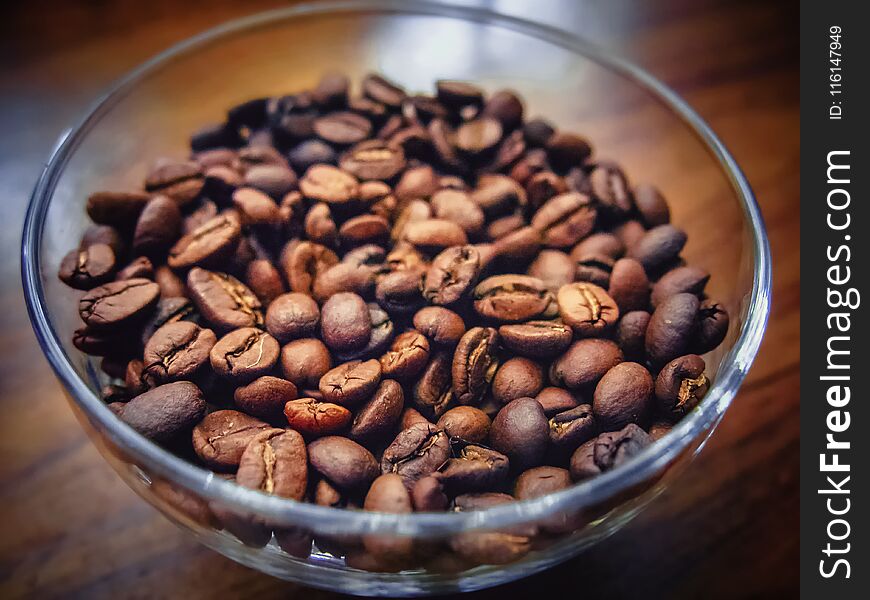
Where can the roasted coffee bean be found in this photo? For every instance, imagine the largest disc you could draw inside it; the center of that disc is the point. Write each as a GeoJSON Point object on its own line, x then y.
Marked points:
{"type": "Point", "coordinates": [412, 211]}
{"type": "Point", "coordinates": [541, 481]}
{"type": "Point", "coordinates": [422, 108]}
{"type": "Point", "coordinates": [610, 189]}
{"type": "Point", "coordinates": [265, 397]}
{"type": "Point", "coordinates": [538, 132]}
{"type": "Point", "coordinates": [342, 128]}
{"type": "Point", "coordinates": [325, 183]}
{"type": "Point", "coordinates": [264, 280]}
{"type": "Point", "coordinates": [255, 207]}
{"type": "Point", "coordinates": [521, 431]}
{"type": "Point", "coordinates": [381, 337]}
{"type": "Point", "coordinates": [712, 327]}
{"type": "Point", "coordinates": [292, 316]}
{"type": "Point", "coordinates": [498, 194]}
{"type": "Point", "coordinates": [202, 214]}
{"type": "Point", "coordinates": [595, 269]}
{"type": "Point", "coordinates": [587, 308]}
{"type": "Point", "coordinates": [331, 90]}
{"type": "Point", "coordinates": [630, 233]}
{"type": "Point", "coordinates": [414, 141]}
{"type": "Point", "coordinates": [474, 364]}
{"type": "Point", "coordinates": [517, 378]}
{"type": "Point", "coordinates": [416, 452]}
{"type": "Point", "coordinates": [88, 267]}
{"type": "Point", "coordinates": [305, 361]}
{"type": "Point", "coordinates": [406, 357]}
{"type": "Point", "coordinates": [369, 255]}
{"type": "Point", "coordinates": [303, 262]}
{"type": "Point", "coordinates": [275, 462]}
{"type": "Point", "coordinates": [687, 279]}
{"type": "Point", "coordinates": [565, 219]}
{"type": "Point", "coordinates": [681, 384]}
{"type": "Point", "coordinates": [312, 418]}
{"type": "Point", "coordinates": [585, 363]}
{"type": "Point", "coordinates": [427, 495]}
{"type": "Point", "coordinates": [512, 147]}
{"type": "Point", "coordinates": [132, 377]}
{"type": "Point", "coordinates": [168, 310]}
{"type": "Point", "coordinates": [452, 274]}
{"type": "Point", "coordinates": [311, 152]}
{"type": "Point", "coordinates": [417, 183]}
{"type": "Point", "coordinates": [373, 159]}
{"type": "Point", "coordinates": [384, 91]}
{"type": "Point", "coordinates": [116, 208]}
{"type": "Point", "coordinates": [536, 339]}
{"type": "Point", "coordinates": [506, 106]}
{"type": "Point", "coordinates": [103, 234]}
{"type": "Point", "coordinates": [114, 394]}
{"type": "Point", "coordinates": [180, 180]}
{"type": "Point", "coordinates": [118, 303]}
{"type": "Point", "coordinates": [388, 494]}
{"type": "Point", "coordinates": [631, 334]}
{"type": "Point", "coordinates": [411, 416]}
{"type": "Point", "coordinates": [223, 300]}
{"type": "Point", "coordinates": [433, 391]}
{"type": "Point", "coordinates": [364, 229]}
{"type": "Point", "coordinates": [555, 400]}
{"type": "Point", "coordinates": [399, 292]}
{"type": "Point", "coordinates": [158, 226]}
{"type": "Point", "coordinates": [566, 150]}
{"type": "Point", "coordinates": [473, 468]}
{"type": "Point", "coordinates": [615, 448]}
{"type": "Point", "coordinates": [598, 244]}
{"type": "Point", "coordinates": [178, 350]}
{"type": "Point", "coordinates": [208, 245]}
{"type": "Point", "coordinates": [477, 137]}
{"type": "Point", "coordinates": [520, 245]}
{"type": "Point", "coordinates": [273, 181]}
{"type": "Point", "coordinates": [457, 206]}
{"type": "Point", "coordinates": [458, 94]}
{"type": "Point", "coordinates": [441, 326]}
{"type": "Point", "coordinates": [378, 416]}
{"type": "Point", "coordinates": [629, 286]}
{"type": "Point", "coordinates": [622, 396]}
{"type": "Point", "coordinates": [466, 422]}
{"type": "Point", "coordinates": [651, 205]}
{"type": "Point", "coordinates": [345, 323]}
{"type": "Point", "coordinates": [222, 436]}
{"type": "Point", "coordinates": [165, 412]}
{"type": "Point", "coordinates": [503, 226]}
{"type": "Point", "coordinates": [343, 462]}
{"type": "Point", "coordinates": [351, 383]}
{"type": "Point", "coordinates": [545, 185]}
{"type": "Point", "coordinates": [513, 298]}
{"type": "Point", "coordinates": [490, 547]}
{"type": "Point", "coordinates": [140, 267]}
{"type": "Point", "coordinates": [554, 268]}
{"type": "Point", "coordinates": [434, 235]}
{"type": "Point", "coordinates": [244, 354]}
{"type": "Point", "coordinates": [659, 247]}
{"type": "Point", "coordinates": [671, 328]}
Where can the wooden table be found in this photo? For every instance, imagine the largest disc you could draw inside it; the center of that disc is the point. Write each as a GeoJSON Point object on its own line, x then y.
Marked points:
{"type": "Point", "coordinates": [70, 527]}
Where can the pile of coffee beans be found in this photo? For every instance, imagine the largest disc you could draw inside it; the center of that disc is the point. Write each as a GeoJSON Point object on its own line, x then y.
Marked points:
{"type": "Point", "coordinates": [394, 302]}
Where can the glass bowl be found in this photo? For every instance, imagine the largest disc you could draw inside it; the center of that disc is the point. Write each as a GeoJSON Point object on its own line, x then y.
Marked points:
{"type": "Point", "coordinates": [623, 110]}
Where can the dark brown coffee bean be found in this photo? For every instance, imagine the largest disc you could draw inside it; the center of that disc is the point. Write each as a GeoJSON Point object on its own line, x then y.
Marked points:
{"type": "Point", "coordinates": [477, 137]}
{"type": "Point", "coordinates": [517, 378]}
{"type": "Point", "coordinates": [406, 357]}
{"type": "Point", "coordinates": [311, 152]}
{"type": "Point", "coordinates": [473, 468]}
{"type": "Point", "coordinates": [631, 334]}
{"type": "Point", "coordinates": [244, 354]}
{"type": "Point", "coordinates": [312, 418]}
{"type": "Point", "coordinates": [305, 361]}
{"type": "Point", "coordinates": [331, 90]}
{"type": "Point", "coordinates": [492, 547]}
{"type": "Point", "coordinates": [417, 183]}
{"type": "Point", "coordinates": [364, 229]}
{"type": "Point", "coordinates": [508, 152]}
{"type": "Point", "coordinates": [209, 244]}
{"type": "Point", "coordinates": [595, 269]}
{"type": "Point", "coordinates": [498, 194]}
{"type": "Point", "coordinates": [466, 422]}
{"type": "Point", "coordinates": [610, 189]}
{"type": "Point", "coordinates": [382, 90]}
{"type": "Point", "coordinates": [520, 245]}
{"type": "Point", "coordinates": [434, 235]}
{"type": "Point", "coordinates": [342, 128]}
{"type": "Point", "coordinates": [303, 262]}
{"type": "Point", "coordinates": [368, 255]}
{"type": "Point", "coordinates": [566, 150]}
{"type": "Point", "coordinates": [585, 363]}
{"type": "Point", "coordinates": [583, 464]}
{"type": "Point", "coordinates": [375, 112]}
{"type": "Point", "coordinates": [351, 383]}
{"type": "Point", "coordinates": [205, 212]}
{"type": "Point", "coordinates": [264, 280]}
{"type": "Point", "coordinates": [433, 391]}
{"type": "Point", "coordinates": [343, 462]}
{"type": "Point", "coordinates": [505, 225]}
{"type": "Point", "coordinates": [382, 335]}
{"type": "Point", "coordinates": [457, 206]}
{"type": "Point", "coordinates": [118, 303]}
{"type": "Point", "coordinates": [103, 234]}
{"type": "Point", "coordinates": [158, 226]}
{"type": "Point", "coordinates": [292, 316]}
{"type": "Point", "coordinates": [555, 400]}
{"type": "Point", "coordinates": [658, 247]}
{"type": "Point", "coordinates": [178, 350]}
{"type": "Point", "coordinates": [629, 285]}
{"type": "Point", "coordinates": [452, 274]}
{"type": "Point", "coordinates": [116, 208]}
{"type": "Point", "coordinates": [378, 416]}
{"type": "Point", "coordinates": [373, 159]}
{"type": "Point", "coordinates": [630, 233]}
{"type": "Point", "coordinates": [272, 180]}
{"type": "Point", "coordinates": [688, 279]}
{"type": "Point", "coordinates": [680, 385]}
{"type": "Point", "coordinates": [712, 327]}
{"type": "Point", "coordinates": [554, 268]}
{"type": "Point", "coordinates": [427, 495]}
{"type": "Point", "coordinates": [180, 180]}
{"type": "Point", "coordinates": [265, 397]}
{"type": "Point", "coordinates": [168, 310]}
{"type": "Point", "coordinates": [458, 94]}
{"type": "Point", "coordinates": [671, 328]}
{"type": "Point", "coordinates": [275, 462]}
{"type": "Point", "coordinates": [223, 300]}
{"type": "Point", "coordinates": [441, 326]}
{"type": "Point", "coordinates": [388, 494]}
{"type": "Point", "coordinates": [512, 298]}
{"type": "Point", "coordinates": [536, 339]}
{"type": "Point", "coordinates": [399, 292]}
{"type": "Point", "coordinates": [222, 436]}
{"type": "Point", "coordinates": [325, 183]}
{"type": "Point", "coordinates": [587, 308]}
{"type": "Point", "coordinates": [255, 207]}
{"type": "Point", "coordinates": [416, 452]}
{"type": "Point", "coordinates": [345, 323]}
{"type": "Point", "coordinates": [88, 267]}
{"type": "Point", "coordinates": [165, 412]}
{"type": "Point", "coordinates": [506, 106]}
{"type": "Point", "coordinates": [651, 205]}
{"type": "Point", "coordinates": [411, 416]}
{"type": "Point", "coordinates": [138, 268]}
{"type": "Point", "coordinates": [521, 431]}
{"type": "Point", "coordinates": [622, 396]}
{"type": "Point", "coordinates": [474, 364]}
{"type": "Point", "coordinates": [616, 448]}
{"type": "Point", "coordinates": [597, 244]}
{"type": "Point", "coordinates": [543, 187]}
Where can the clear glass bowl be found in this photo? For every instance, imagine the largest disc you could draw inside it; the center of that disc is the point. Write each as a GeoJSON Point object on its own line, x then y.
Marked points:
{"type": "Point", "coordinates": [623, 110]}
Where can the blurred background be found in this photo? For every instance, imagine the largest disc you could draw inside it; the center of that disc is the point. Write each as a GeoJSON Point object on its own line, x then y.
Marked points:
{"type": "Point", "coordinates": [71, 528]}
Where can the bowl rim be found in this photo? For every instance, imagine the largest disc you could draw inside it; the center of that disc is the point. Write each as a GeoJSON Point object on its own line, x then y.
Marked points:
{"type": "Point", "coordinates": [212, 488]}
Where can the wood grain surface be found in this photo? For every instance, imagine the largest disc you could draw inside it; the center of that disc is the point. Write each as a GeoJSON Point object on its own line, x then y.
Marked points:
{"type": "Point", "coordinates": [70, 528]}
